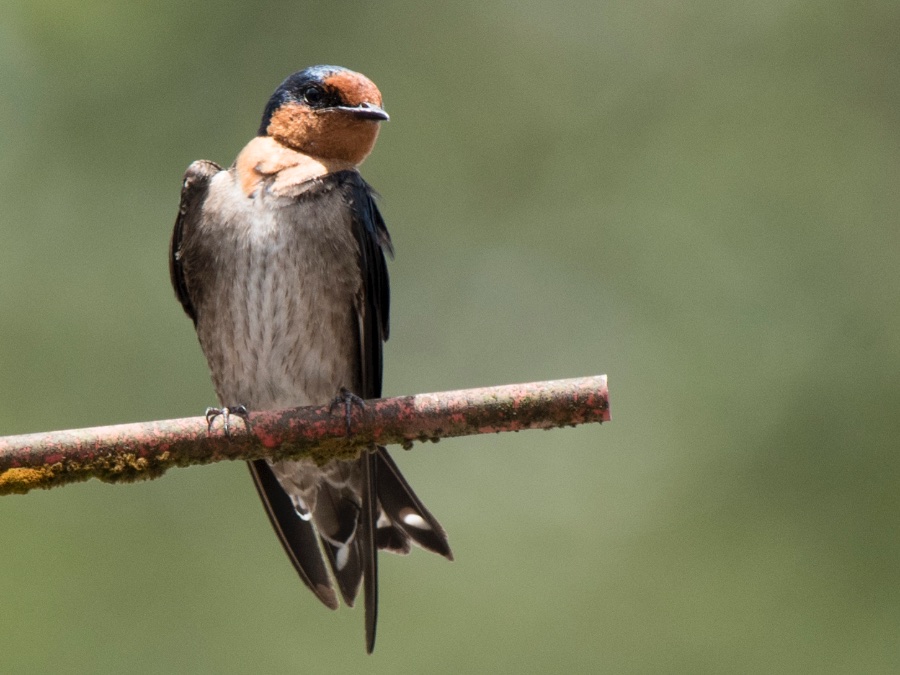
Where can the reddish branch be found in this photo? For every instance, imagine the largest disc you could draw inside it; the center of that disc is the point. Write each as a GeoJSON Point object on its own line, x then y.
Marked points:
{"type": "Point", "coordinates": [129, 452]}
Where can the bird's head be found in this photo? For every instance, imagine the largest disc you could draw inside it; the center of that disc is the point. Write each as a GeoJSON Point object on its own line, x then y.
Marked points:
{"type": "Point", "coordinates": [326, 112]}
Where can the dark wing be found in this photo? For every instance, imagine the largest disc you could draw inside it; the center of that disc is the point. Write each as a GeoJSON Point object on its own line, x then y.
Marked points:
{"type": "Point", "coordinates": [374, 307]}
{"type": "Point", "coordinates": [194, 189]}
{"type": "Point", "coordinates": [408, 518]}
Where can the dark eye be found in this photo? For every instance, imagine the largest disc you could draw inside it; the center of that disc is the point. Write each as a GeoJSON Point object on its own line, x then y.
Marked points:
{"type": "Point", "coordinates": [313, 95]}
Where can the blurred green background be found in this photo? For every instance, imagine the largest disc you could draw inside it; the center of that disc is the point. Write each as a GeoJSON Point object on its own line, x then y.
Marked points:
{"type": "Point", "coordinates": [699, 199]}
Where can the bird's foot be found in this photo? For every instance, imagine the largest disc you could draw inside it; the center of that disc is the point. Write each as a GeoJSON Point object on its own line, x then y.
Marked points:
{"type": "Point", "coordinates": [347, 399]}
{"type": "Point", "coordinates": [225, 414]}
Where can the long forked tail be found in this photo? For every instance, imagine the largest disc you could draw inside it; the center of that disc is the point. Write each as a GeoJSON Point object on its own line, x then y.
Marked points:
{"type": "Point", "coordinates": [348, 526]}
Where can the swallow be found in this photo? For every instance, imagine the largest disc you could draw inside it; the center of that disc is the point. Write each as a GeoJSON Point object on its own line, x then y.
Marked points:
{"type": "Point", "coordinates": [279, 261]}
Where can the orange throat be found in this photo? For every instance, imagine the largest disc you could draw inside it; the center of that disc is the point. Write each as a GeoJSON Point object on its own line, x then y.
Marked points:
{"type": "Point", "coordinates": [265, 159]}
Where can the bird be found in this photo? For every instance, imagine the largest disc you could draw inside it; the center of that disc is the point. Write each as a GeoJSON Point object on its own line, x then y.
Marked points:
{"type": "Point", "coordinates": [280, 262]}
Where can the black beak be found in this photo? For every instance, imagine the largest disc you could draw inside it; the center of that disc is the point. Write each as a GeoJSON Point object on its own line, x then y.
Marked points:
{"type": "Point", "coordinates": [366, 111]}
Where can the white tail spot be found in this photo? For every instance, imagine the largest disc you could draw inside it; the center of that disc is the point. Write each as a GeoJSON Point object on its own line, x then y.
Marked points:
{"type": "Point", "coordinates": [343, 555]}
{"type": "Point", "coordinates": [415, 520]}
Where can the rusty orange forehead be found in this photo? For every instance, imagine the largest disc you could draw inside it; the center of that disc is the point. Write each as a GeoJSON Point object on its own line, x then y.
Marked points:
{"type": "Point", "coordinates": [355, 89]}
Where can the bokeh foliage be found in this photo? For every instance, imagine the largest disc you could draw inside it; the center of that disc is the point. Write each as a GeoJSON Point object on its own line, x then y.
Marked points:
{"type": "Point", "coordinates": [697, 198]}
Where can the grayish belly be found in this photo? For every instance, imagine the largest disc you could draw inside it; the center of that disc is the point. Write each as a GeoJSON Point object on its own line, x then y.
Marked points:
{"type": "Point", "coordinates": [279, 325]}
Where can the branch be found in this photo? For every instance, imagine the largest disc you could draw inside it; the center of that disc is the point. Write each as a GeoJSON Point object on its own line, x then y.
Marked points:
{"type": "Point", "coordinates": [129, 452]}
